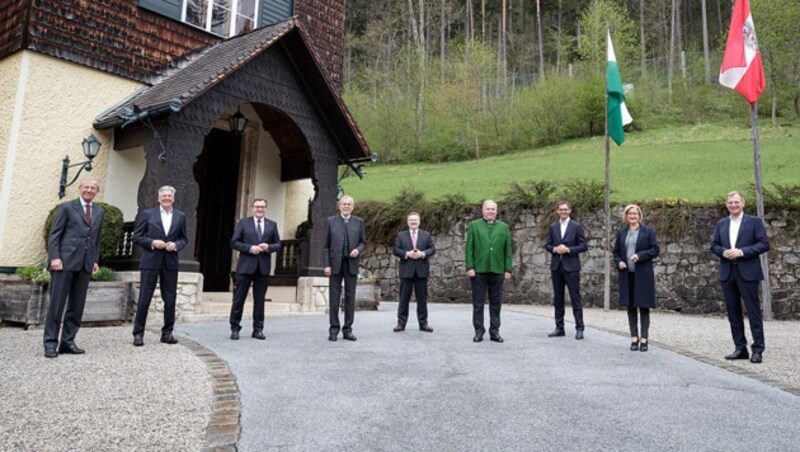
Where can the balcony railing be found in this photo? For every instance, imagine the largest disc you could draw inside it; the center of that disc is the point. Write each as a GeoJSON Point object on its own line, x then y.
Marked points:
{"type": "Point", "coordinates": [288, 262]}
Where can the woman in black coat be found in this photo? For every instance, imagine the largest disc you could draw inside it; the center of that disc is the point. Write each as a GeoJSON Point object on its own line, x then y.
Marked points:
{"type": "Point", "coordinates": [634, 251]}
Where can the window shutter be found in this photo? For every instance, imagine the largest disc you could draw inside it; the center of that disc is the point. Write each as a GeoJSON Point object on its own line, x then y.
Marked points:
{"type": "Point", "coordinates": [274, 11]}
{"type": "Point", "coordinates": [169, 8]}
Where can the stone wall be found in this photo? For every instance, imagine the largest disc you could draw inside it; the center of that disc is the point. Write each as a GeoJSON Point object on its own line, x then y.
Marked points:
{"type": "Point", "coordinates": [686, 270]}
{"type": "Point", "coordinates": [189, 295]}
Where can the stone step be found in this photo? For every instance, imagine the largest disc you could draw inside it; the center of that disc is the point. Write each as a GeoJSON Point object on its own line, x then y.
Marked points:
{"type": "Point", "coordinates": [215, 306]}
{"type": "Point", "coordinates": [270, 307]}
{"type": "Point", "coordinates": [221, 311]}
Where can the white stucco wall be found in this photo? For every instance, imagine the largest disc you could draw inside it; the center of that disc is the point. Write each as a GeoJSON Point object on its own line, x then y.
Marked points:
{"type": "Point", "coordinates": [47, 107]}
{"type": "Point", "coordinates": [298, 195]}
{"type": "Point", "coordinates": [126, 168]}
{"type": "Point", "coordinates": [268, 183]}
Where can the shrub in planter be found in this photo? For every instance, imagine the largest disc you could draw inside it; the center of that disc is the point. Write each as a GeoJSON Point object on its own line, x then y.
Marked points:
{"type": "Point", "coordinates": [34, 273]}
{"type": "Point", "coordinates": [41, 274]}
{"type": "Point", "coordinates": [110, 235]}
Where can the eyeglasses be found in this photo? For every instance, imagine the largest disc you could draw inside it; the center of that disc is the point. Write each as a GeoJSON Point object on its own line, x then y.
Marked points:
{"type": "Point", "coordinates": [259, 207]}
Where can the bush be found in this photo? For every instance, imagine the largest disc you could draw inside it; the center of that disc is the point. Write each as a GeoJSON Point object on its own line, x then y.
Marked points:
{"type": "Point", "coordinates": [34, 273]}
{"type": "Point", "coordinates": [104, 274]}
{"type": "Point", "coordinates": [110, 236]}
{"type": "Point", "coordinates": [383, 220]}
{"type": "Point", "coordinates": [42, 274]}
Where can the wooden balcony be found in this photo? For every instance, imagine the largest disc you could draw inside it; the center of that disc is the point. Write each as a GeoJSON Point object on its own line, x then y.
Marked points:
{"type": "Point", "coordinates": [289, 262]}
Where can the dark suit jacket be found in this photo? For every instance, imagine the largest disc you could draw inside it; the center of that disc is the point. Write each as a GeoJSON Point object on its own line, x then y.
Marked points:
{"type": "Point", "coordinates": [410, 268]}
{"type": "Point", "coordinates": [644, 290]}
{"type": "Point", "coordinates": [245, 236]}
{"type": "Point", "coordinates": [72, 239]}
{"type": "Point", "coordinates": [752, 240]}
{"type": "Point", "coordinates": [574, 239]}
{"type": "Point", "coordinates": [148, 228]}
{"type": "Point", "coordinates": [334, 234]}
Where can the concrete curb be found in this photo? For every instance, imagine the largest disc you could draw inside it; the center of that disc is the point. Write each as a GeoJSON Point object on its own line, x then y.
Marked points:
{"type": "Point", "coordinates": [224, 427]}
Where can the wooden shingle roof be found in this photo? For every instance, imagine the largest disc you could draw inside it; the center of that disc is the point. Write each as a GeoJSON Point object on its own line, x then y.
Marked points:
{"type": "Point", "coordinates": [204, 69]}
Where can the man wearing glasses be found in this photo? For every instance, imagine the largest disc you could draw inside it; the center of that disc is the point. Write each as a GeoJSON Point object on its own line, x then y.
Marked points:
{"type": "Point", "coordinates": [256, 238]}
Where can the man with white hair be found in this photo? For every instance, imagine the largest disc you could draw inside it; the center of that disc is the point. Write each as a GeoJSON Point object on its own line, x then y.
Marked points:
{"type": "Point", "coordinates": [488, 260]}
{"type": "Point", "coordinates": [73, 248]}
{"type": "Point", "coordinates": [345, 242]}
{"type": "Point", "coordinates": [161, 232]}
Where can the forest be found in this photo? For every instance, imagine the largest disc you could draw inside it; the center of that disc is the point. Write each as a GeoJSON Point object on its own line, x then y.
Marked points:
{"type": "Point", "coordinates": [445, 80]}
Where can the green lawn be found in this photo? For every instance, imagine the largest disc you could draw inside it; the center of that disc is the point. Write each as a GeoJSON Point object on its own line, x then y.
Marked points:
{"type": "Point", "coordinates": [698, 163]}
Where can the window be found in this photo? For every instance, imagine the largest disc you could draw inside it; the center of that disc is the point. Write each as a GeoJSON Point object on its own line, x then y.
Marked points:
{"type": "Point", "coordinates": [222, 17]}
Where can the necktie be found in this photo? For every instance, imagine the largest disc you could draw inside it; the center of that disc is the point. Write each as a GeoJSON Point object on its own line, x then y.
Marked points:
{"type": "Point", "coordinates": [346, 242]}
{"type": "Point", "coordinates": [414, 239]}
{"type": "Point", "coordinates": [260, 231]}
{"type": "Point", "coordinates": [89, 213]}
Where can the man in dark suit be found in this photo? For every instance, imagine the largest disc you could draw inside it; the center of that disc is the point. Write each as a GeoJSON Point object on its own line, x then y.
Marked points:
{"type": "Point", "coordinates": [73, 248]}
{"type": "Point", "coordinates": [413, 246]}
{"type": "Point", "coordinates": [256, 238]}
{"type": "Point", "coordinates": [161, 232]}
{"type": "Point", "coordinates": [739, 240]}
{"type": "Point", "coordinates": [565, 241]}
{"type": "Point", "coordinates": [345, 241]}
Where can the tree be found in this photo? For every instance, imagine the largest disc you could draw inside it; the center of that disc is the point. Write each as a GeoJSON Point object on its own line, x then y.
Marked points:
{"type": "Point", "coordinates": [777, 25]}
{"type": "Point", "coordinates": [593, 22]}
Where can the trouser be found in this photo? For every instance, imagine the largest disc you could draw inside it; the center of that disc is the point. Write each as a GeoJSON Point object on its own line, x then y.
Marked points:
{"type": "Point", "coordinates": [168, 282]}
{"type": "Point", "coordinates": [420, 288]}
{"type": "Point", "coordinates": [335, 294]}
{"type": "Point", "coordinates": [260, 283]}
{"type": "Point", "coordinates": [735, 289]}
{"type": "Point", "coordinates": [481, 284]}
{"type": "Point", "coordinates": [572, 281]}
{"type": "Point", "coordinates": [633, 321]}
{"type": "Point", "coordinates": [67, 290]}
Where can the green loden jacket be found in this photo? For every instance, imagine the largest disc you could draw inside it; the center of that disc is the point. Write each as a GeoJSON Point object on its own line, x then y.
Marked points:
{"type": "Point", "coordinates": [488, 247]}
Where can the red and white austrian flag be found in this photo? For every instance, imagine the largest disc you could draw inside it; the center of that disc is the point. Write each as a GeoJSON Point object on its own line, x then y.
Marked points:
{"type": "Point", "coordinates": [742, 68]}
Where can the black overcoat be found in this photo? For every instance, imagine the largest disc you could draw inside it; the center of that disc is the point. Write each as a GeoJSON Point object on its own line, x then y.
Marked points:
{"type": "Point", "coordinates": [644, 290]}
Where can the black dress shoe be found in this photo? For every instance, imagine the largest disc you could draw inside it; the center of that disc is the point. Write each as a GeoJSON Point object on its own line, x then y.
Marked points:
{"type": "Point", "coordinates": [349, 337]}
{"type": "Point", "coordinates": [643, 347]}
{"type": "Point", "coordinates": [579, 335]}
{"type": "Point", "coordinates": [50, 353]}
{"type": "Point", "coordinates": [234, 335]}
{"type": "Point", "coordinates": [496, 338]}
{"type": "Point", "coordinates": [426, 328]}
{"type": "Point", "coordinates": [756, 358]}
{"type": "Point", "coordinates": [399, 328]}
{"type": "Point", "coordinates": [635, 345]}
{"type": "Point", "coordinates": [71, 349]}
{"type": "Point", "coordinates": [332, 337]}
{"type": "Point", "coordinates": [556, 333]}
{"type": "Point", "coordinates": [738, 354]}
{"type": "Point", "coordinates": [258, 334]}
{"type": "Point", "coordinates": [168, 339]}
{"type": "Point", "coordinates": [478, 337]}
{"type": "Point", "coordinates": [138, 341]}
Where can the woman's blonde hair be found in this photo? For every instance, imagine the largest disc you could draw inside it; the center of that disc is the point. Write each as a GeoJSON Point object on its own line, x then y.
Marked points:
{"type": "Point", "coordinates": [630, 207]}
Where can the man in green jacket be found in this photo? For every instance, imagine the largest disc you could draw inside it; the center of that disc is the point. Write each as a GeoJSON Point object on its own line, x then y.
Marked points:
{"type": "Point", "coordinates": [488, 260]}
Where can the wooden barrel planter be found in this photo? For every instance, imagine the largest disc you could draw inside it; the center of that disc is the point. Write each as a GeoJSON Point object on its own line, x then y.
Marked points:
{"type": "Point", "coordinates": [26, 302]}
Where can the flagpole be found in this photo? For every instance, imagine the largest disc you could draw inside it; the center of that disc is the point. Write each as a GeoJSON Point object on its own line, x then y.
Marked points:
{"type": "Point", "coordinates": [607, 208]}
{"type": "Point", "coordinates": [766, 298]}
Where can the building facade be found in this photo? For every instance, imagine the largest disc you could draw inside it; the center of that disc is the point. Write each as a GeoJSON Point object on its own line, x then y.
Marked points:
{"type": "Point", "coordinates": [157, 81]}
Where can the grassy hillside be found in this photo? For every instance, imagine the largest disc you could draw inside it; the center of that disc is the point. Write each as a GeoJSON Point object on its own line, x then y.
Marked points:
{"type": "Point", "coordinates": [698, 163]}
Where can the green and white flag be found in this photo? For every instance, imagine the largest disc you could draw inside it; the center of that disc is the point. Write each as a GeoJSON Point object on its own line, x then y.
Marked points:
{"type": "Point", "coordinates": [618, 115]}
